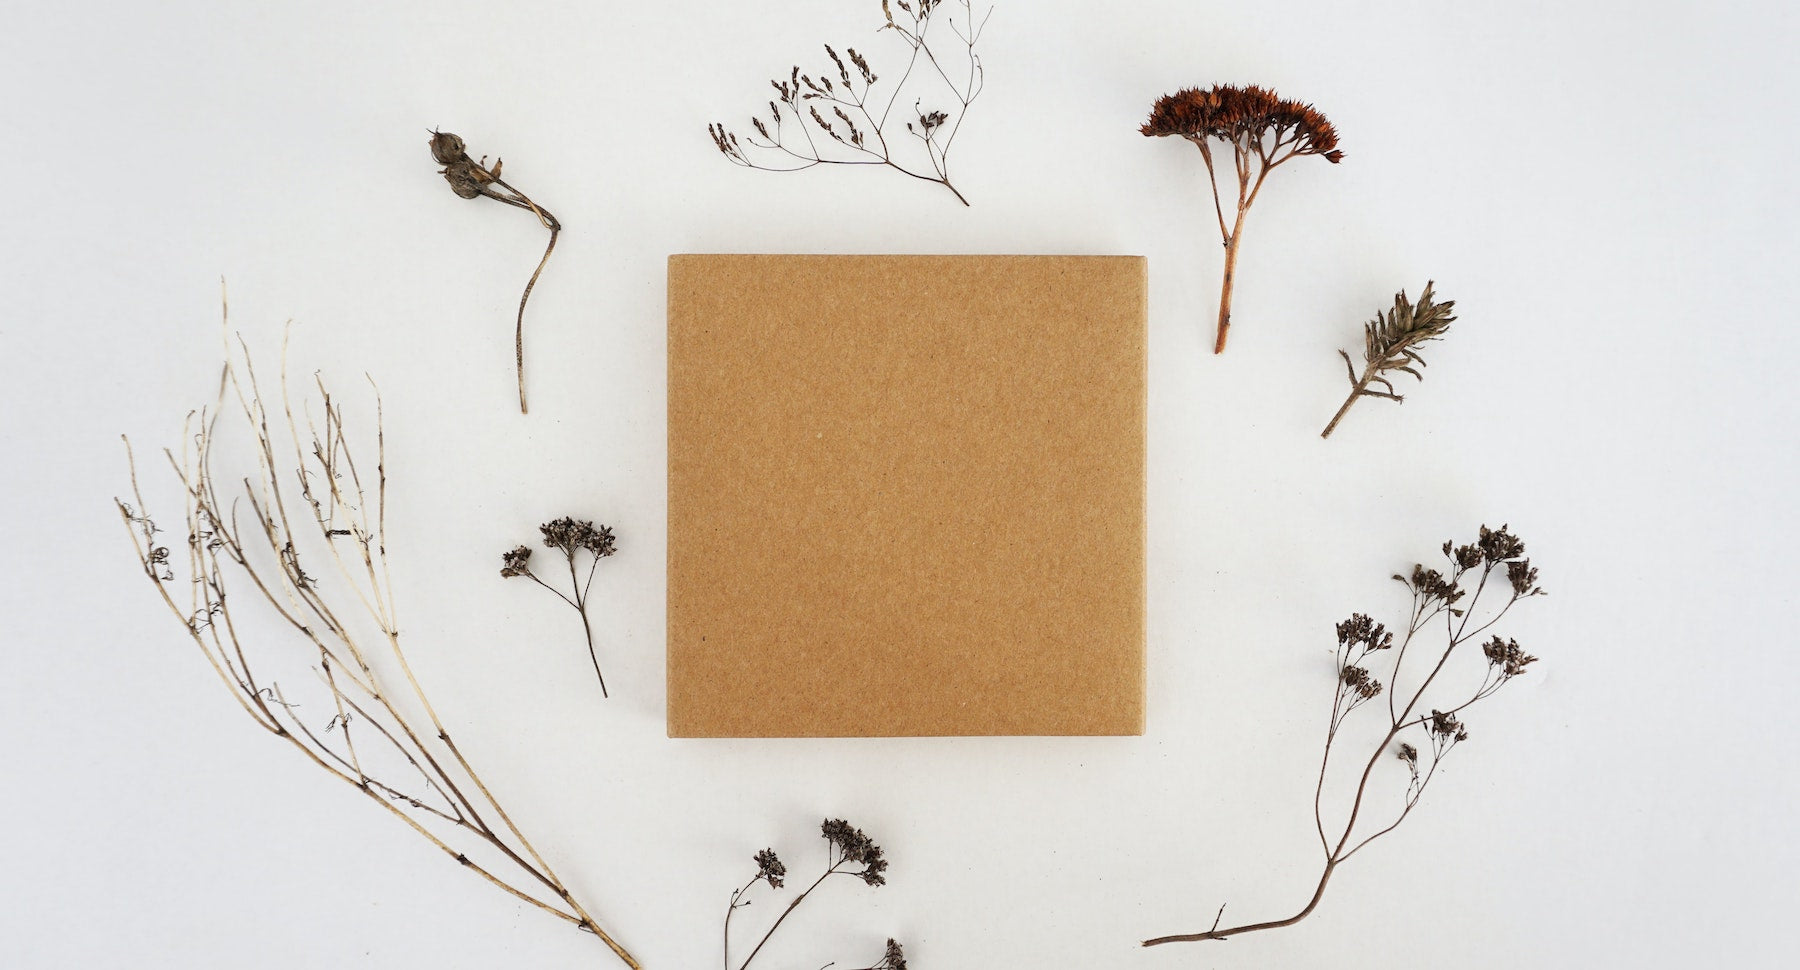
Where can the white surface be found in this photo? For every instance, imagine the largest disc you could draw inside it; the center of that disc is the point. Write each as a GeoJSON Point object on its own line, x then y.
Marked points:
{"type": "Point", "coordinates": [1603, 188]}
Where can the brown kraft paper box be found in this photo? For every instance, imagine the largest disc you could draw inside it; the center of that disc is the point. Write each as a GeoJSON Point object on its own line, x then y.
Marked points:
{"type": "Point", "coordinates": [906, 495]}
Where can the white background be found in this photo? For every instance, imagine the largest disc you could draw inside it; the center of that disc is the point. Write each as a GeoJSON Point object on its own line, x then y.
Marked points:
{"type": "Point", "coordinates": [1605, 189]}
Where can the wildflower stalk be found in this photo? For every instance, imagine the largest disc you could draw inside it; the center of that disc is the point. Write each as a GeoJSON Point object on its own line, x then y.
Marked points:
{"type": "Point", "coordinates": [850, 853]}
{"type": "Point", "coordinates": [1263, 130]}
{"type": "Point", "coordinates": [572, 538]}
{"type": "Point", "coordinates": [1493, 565]}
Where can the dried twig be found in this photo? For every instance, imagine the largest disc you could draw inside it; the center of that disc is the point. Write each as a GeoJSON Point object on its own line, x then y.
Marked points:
{"type": "Point", "coordinates": [470, 179]}
{"type": "Point", "coordinates": [1495, 563]}
{"type": "Point", "coordinates": [312, 498]}
{"type": "Point", "coordinates": [1391, 343]}
{"type": "Point", "coordinates": [852, 123]}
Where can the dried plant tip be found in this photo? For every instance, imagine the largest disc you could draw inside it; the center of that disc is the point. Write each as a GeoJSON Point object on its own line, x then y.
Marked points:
{"type": "Point", "coordinates": [1446, 726]}
{"type": "Point", "coordinates": [1391, 345]}
{"type": "Point", "coordinates": [1499, 545]}
{"type": "Point", "coordinates": [854, 847]}
{"type": "Point", "coordinates": [1358, 681]}
{"type": "Point", "coordinates": [570, 536]}
{"type": "Point", "coordinates": [1508, 656]}
{"type": "Point", "coordinates": [1407, 753]}
{"type": "Point", "coordinates": [447, 148]}
{"type": "Point", "coordinates": [1361, 630]}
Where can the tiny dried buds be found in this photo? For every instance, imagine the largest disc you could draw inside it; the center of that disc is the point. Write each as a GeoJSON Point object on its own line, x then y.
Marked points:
{"type": "Point", "coordinates": [1263, 130]}
{"type": "Point", "coordinates": [470, 179]}
{"type": "Point", "coordinates": [571, 537]}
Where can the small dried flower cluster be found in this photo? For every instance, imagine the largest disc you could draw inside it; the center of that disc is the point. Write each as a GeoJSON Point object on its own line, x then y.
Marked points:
{"type": "Point", "coordinates": [572, 538]}
{"type": "Point", "coordinates": [1391, 344]}
{"type": "Point", "coordinates": [1449, 599]}
{"type": "Point", "coordinates": [1263, 130]}
{"type": "Point", "coordinates": [853, 124]}
{"type": "Point", "coordinates": [850, 853]}
{"type": "Point", "coordinates": [471, 179]}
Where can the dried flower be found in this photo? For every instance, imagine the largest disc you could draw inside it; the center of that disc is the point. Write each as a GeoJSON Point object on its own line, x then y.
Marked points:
{"type": "Point", "coordinates": [571, 537]}
{"type": "Point", "coordinates": [470, 179]}
{"type": "Point", "coordinates": [1361, 640]}
{"type": "Point", "coordinates": [848, 850]}
{"type": "Point", "coordinates": [1391, 343]}
{"type": "Point", "coordinates": [1263, 130]}
{"type": "Point", "coordinates": [769, 868]}
{"type": "Point", "coordinates": [818, 121]}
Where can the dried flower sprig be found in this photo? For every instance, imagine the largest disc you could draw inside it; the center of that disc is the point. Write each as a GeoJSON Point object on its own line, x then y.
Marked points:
{"type": "Point", "coordinates": [1494, 566]}
{"type": "Point", "coordinates": [849, 853]}
{"type": "Point", "coordinates": [1263, 131]}
{"type": "Point", "coordinates": [575, 539]}
{"type": "Point", "coordinates": [313, 498]}
{"type": "Point", "coordinates": [470, 179]}
{"type": "Point", "coordinates": [851, 122]}
{"type": "Point", "coordinates": [1391, 343]}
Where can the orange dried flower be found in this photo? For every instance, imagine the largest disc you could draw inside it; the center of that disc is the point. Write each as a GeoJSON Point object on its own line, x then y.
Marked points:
{"type": "Point", "coordinates": [1263, 129]}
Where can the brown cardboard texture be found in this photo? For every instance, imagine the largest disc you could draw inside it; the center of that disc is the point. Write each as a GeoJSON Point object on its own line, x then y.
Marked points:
{"type": "Point", "coordinates": [906, 495]}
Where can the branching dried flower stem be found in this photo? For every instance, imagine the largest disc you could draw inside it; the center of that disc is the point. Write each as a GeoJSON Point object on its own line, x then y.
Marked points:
{"type": "Point", "coordinates": [470, 179]}
{"type": "Point", "coordinates": [1494, 564]}
{"type": "Point", "coordinates": [571, 537]}
{"type": "Point", "coordinates": [1263, 131]}
{"type": "Point", "coordinates": [849, 853]}
{"type": "Point", "coordinates": [859, 122]}
{"type": "Point", "coordinates": [1391, 343]}
{"type": "Point", "coordinates": [319, 501]}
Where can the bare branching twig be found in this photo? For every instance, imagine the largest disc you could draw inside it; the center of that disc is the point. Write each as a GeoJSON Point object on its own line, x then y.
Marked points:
{"type": "Point", "coordinates": [298, 541]}
{"type": "Point", "coordinates": [1492, 567]}
{"type": "Point", "coordinates": [818, 121]}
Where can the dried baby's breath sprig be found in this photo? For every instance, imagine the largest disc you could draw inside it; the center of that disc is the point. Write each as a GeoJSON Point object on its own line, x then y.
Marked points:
{"type": "Point", "coordinates": [298, 540]}
{"type": "Point", "coordinates": [817, 121]}
{"type": "Point", "coordinates": [1263, 131]}
{"type": "Point", "coordinates": [1494, 569]}
{"type": "Point", "coordinates": [849, 853]}
{"type": "Point", "coordinates": [576, 539]}
{"type": "Point", "coordinates": [1391, 343]}
{"type": "Point", "coordinates": [470, 179]}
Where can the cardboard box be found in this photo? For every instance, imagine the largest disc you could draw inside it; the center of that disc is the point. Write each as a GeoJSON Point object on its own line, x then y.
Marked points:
{"type": "Point", "coordinates": [906, 495]}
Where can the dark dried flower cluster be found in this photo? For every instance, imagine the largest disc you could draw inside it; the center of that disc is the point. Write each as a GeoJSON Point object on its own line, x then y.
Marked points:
{"type": "Point", "coordinates": [571, 537]}
{"type": "Point", "coordinates": [1391, 343]}
{"type": "Point", "coordinates": [855, 848]}
{"type": "Point", "coordinates": [1453, 603]}
{"type": "Point", "coordinates": [1262, 130]}
{"type": "Point", "coordinates": [769, 868]}
{"type": "Point", "coordinates": [853, 124]}
{"type": "Point", "coordinates": [471, 179]}
{"type": "Point", "coordinates": [849, 849]}
{"type": "Point", "coordinates": [1507, 656]}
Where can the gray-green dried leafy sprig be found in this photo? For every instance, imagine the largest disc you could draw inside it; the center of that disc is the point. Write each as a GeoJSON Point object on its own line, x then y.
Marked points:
{"type": "Point", "coordinates": [576, 539]}
{"type": "Point", "coordinates": [471, 179]}
{"type": "Point", "coordinates": [850, 853]}
{"type": "Point", "coordinates": [1479, 583]}
{"type": "Point", "coordinates": [1391, 345]}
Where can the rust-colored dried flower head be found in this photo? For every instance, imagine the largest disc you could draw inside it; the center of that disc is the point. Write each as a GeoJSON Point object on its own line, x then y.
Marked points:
{"type": "Point", "coordinates": [1262, 129]}
{"type": "Point", "coordinates": [1230, 113]}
